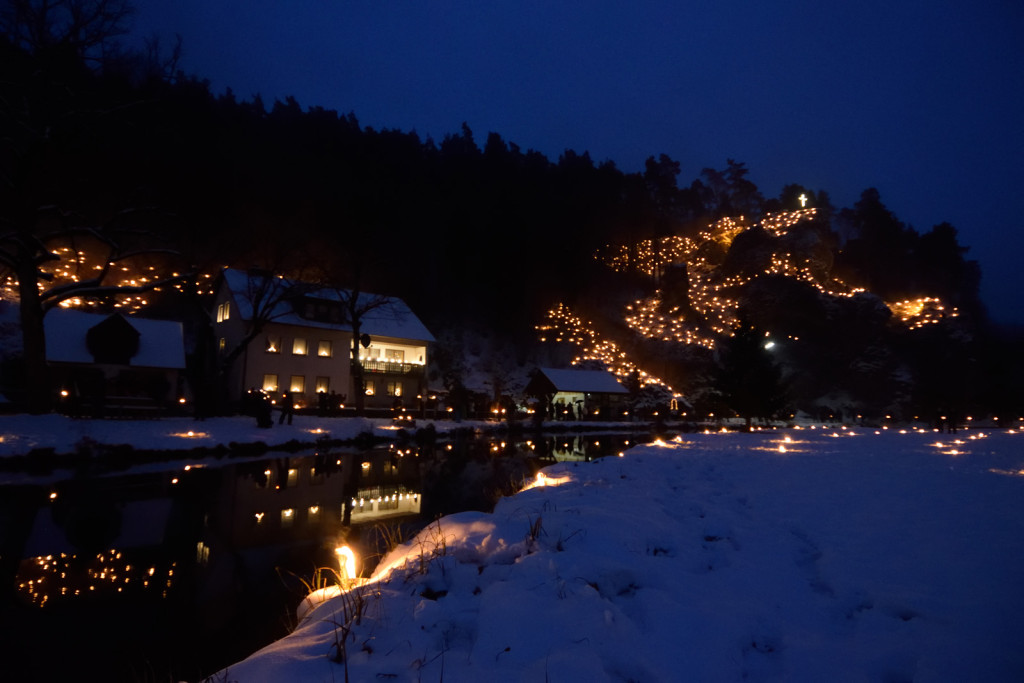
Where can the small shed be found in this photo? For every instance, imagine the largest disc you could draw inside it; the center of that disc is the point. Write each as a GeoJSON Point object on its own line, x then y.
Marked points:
{"type": "Point", "coordinates": [114, 364]}
{"type": "Point", "coordinates": [578, 394]}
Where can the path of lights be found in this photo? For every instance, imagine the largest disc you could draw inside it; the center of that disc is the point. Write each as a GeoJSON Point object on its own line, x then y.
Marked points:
{"type": "Point", "coordinates": [562, 326]}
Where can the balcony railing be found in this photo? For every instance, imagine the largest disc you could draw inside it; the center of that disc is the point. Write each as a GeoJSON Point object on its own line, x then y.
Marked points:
{"type": "Point", "coordinates": [391, 367]}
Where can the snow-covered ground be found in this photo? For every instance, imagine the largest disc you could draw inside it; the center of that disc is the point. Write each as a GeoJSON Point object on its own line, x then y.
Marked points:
{"type": "Point", "coordinates": [838, 555]}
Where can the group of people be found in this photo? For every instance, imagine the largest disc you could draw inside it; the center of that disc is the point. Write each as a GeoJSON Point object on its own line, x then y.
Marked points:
{"type": "Point", "coordinates": [261, 405]}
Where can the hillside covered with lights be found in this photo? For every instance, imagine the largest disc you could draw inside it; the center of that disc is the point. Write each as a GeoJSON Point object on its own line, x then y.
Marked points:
{"type": "Point", "coordinates": [846, 344]}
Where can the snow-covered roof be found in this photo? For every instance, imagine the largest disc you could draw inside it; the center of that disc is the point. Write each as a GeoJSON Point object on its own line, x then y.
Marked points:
{"type": "Point", "coordinates": [587, 381]}
{"type": "Point", "coordinates": [161, 342]}
{"type": "Point", "coordinates": [393, 318]}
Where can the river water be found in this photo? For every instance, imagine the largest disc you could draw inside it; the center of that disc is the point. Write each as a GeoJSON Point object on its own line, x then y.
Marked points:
{"type": "Point", "coordinates": [170, 571]}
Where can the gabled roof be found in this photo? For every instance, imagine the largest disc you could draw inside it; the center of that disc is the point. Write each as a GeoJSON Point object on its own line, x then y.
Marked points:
{"type": "Point", "coordinates": [393, 318]}
{"type": "Point", "coordinates": [161, 342]}
{"type": "Point", "coordinates": [585, 381]}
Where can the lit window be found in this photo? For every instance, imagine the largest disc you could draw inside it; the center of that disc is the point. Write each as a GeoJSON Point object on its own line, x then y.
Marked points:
{"type": "Point", "coordinates": [270, 383]}
{"type": "Point", "coordinates": [323, 349]}
{"type": "Point", "coordinates": [396, 355]}
{"type": "Point", "coordinates": [222, 344]}
{"type": "Point", "coordinates": [273, 344]}
{"type": "Point", "coordinates": [293, 477]}
{"type": "Point", "coordinates": [299, 347]}
{"type": "Point", "coordinates": [314, 514]}
{"type": "Point", "coordinates": [258, 517]}
{"type": "Point", "coordinates": [369, 387]}
{"type": "Point", "coordinates": [323, 384]}
{"type": "Point", "coordinates": [394, 388]}
{"type": "Point", "coordinates": [202, 553]}
{"type": "Point", "coordinates": [223, 311]}
{"type": "Point", "coordinates": [287, 517]}
{"type": "Point", "coordinates": [297, 385]}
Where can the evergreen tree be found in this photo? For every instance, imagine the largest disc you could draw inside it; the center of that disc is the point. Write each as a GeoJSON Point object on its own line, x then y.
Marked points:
{"type": "Point", "coordinates": [748, 377]}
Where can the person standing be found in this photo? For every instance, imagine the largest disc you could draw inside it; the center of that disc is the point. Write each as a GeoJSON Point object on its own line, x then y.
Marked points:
{"type": "Point", "coordinates": [287, 407]}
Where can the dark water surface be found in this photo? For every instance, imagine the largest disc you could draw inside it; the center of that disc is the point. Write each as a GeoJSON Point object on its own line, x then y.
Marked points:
{"type": "Point", "coordinates": [172, 571]}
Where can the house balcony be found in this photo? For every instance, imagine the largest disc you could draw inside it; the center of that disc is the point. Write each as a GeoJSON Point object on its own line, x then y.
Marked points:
{"type": "Point", "coordinates": [385, 367]}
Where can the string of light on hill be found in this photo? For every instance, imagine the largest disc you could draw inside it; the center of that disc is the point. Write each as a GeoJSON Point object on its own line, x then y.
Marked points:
{"type": "Point", "coordinates": [561, 325]}
{"type": "Point", "coordinates": [713, 296]}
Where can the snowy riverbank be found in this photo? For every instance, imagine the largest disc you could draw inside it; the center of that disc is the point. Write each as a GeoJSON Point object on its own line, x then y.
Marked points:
{"type": "Point", "coordinates": [843, 555]}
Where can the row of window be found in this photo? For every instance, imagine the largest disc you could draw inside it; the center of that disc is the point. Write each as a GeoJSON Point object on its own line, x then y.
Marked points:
{"type": "Point", "coordinates": [297, 385]}
{"type": "Point", "coordinates": [288, 516]}
{"type": "Point", "coordinates": [291, 478]}
{"type": "Point", "coordinates": [300, 347]}
{"type": "Point", "coordinates": [314, 513]}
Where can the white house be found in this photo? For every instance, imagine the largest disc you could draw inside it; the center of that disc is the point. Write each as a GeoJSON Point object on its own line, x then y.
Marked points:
{"type": "Point", "coordinates": [304, 346]}
{"type": "Point", "coordinates": [577, 393]}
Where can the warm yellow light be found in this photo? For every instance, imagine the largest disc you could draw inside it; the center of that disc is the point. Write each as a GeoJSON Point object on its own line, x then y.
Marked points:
{"type": "Point", "coordinates": [346, 562]}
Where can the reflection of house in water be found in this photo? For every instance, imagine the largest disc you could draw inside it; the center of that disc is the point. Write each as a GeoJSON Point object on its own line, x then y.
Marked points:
{"type": "Point", "coordinates": [141, 532]}
{"type": "Point", "coordinates": [109, 536]}
{"type": "Point", "coordinates": [388, 486]}
{"type": "Point", "coordinates": [581, 447]}
{"type": "Point", "coordinates": [282, 500]}
{"type": "Point", "coordinates": [303, 498]}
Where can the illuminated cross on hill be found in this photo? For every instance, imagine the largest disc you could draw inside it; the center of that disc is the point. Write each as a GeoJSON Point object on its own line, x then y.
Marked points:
{"type": "Point", "coordinates": [803, 200]}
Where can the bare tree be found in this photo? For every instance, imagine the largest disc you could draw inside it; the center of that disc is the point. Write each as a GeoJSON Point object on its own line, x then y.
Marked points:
{"type": "Point", "coordinates": [356, 307]}
{"type": "Point", "coordinates": [267, 297]}
{"type": "Point", "coordinates": [43, 279]}
{"type": "Point", "coordinates": [87, 28]}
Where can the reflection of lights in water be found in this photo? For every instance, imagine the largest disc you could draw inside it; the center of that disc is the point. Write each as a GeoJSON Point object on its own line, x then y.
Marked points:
{"type": "Point", "coordinates": [190, 434]}
{"type": "Point", "coordinates": [65, 577]}
{"type": "Point", "coordinates": [1008, 473]}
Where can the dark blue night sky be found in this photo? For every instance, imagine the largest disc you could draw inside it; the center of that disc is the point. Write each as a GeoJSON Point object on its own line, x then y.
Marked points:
{"type": "Point", "coordinates": [922, 99]}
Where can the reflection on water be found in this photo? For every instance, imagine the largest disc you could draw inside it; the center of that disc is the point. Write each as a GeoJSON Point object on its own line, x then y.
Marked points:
{"type": "Point", "coordinates": [213, 556]}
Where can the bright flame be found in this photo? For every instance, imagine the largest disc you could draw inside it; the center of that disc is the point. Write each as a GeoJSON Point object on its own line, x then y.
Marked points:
{"type": "Point", "coordinates": [346, 562]}
{"type": "Point", "coordinates": [549, 480]}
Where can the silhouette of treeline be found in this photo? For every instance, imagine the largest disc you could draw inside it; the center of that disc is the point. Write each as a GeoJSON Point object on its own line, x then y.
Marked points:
{"type": "Point", "coordinates": [472, 232]}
